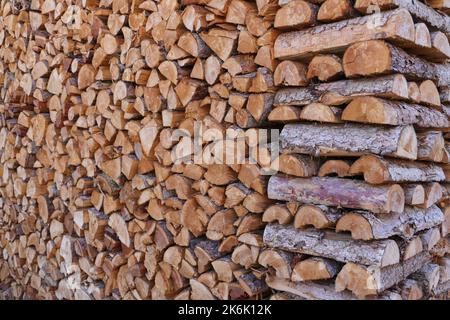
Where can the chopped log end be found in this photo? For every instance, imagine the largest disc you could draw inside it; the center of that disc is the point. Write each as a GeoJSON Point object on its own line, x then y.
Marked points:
{"type": "Point", "coordinates": [357, 225]}
{"type": "Point", "coordinates": [311, 215]}
{"type": "Point", "coordinates": [339, 168]}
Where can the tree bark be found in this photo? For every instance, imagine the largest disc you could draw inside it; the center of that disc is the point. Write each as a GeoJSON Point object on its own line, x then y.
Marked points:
{"type": "Point", "coordinates": [331, 245]}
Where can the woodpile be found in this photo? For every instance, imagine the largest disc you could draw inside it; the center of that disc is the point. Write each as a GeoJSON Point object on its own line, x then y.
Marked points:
{"type": "Point", "coordinates": [106, 192]}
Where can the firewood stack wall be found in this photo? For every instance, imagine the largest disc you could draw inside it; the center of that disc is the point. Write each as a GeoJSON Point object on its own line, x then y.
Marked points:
{"type": "Point", "coordinates": [99, 100]}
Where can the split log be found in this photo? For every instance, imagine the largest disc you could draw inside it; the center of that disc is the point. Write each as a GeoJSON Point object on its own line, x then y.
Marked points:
{"type": "Point", "coordinates": [430, 146]}
{"type": "Point", "coordinates": [339, 168]}
{"type": "Point", "coordinates": [331, 245]}
{"type": "Point", "coordinates": [297, 14]}
{"type": "Point", "coordinates": [315, 268]}
{"type": "Point", "coordinates": [320, 291]}
{"type": "Point", "coordinates": [378, 170]}
{"type": "Point", "coordinates": [349, 140]}
{"type": "Point", "coordinates": [321, 113]}
{"type": "Point", "coordinates": [417, 9]}
{"type": "Point", "coordinates": [318, 216]}
{"type": "Point", "coordinates": [277, 212]}
{"type": "Point", "coordinates": [335, 10]}
{"type": "Point", "coordinates": [290, 73]}
{"type": "Point", "coordinates": [379, 111]}
{"type": "Point", "coordinates": [364, 225]}
{"type": "Point", "coordinates": [427, 276]}
{"type": "Point", "coordinates": [364, 281]}
{"type": "Point", "coordinates": [297, 165]}
{"type": "Point", "coordinates": [279, 260]}
{"type": "Point", "coordinates": [396, 25]}
{"type": "Point", "coordinates": [414, 194]}
{"type": "Point", "coordinates": [325, 67]}
{"type": "Point", "coordinates": [375, 57]}
{"type": "Point", "coordinates": [339, 92]}
{"type": "Point", "coordinates": [284, 114]}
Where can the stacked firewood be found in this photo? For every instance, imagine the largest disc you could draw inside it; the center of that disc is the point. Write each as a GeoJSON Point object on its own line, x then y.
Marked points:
{"type": "Point", "coordinates": [100, 99]}
{"type": "Point", "coordinates": [104, 193]}
{"type": "Point", "coordinates": [363, 209]}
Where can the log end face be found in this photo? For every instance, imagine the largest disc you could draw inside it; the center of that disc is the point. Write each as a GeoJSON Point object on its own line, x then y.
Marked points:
{"type": "Point", "coordinates": [356, 279]}
{"type": "Point", "coordinates": [367, 58]}
{"type": "Point", "coordinates": [359, 227]}
{"type": "Point", "coordinates": [372, 168]}
{"type": "Point", "coordinates": [311, 215]}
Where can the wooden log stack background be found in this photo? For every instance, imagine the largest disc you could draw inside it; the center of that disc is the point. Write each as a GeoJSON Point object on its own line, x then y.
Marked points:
{"type": "Point", "coordinates": [94, 206]}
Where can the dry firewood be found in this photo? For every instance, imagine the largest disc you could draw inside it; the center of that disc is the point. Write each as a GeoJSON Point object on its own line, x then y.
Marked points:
{"type": "Point", "coordinates": [429, 94]}
{"type": "Point", "coordinates": [315, 268]}
{"type": "Point", "coordinates": [321, 113]}
{"type": "Point", "coordinates": [318, 216]}
{"type": "Point", "coordinates": [331, 245]}
{"type": "Point", "coordinates": [396, 25]}
{"type": "Point", "coordinates": [379, 111]}
{"type": "Point", "coordinates": [364, 225]}
{"type": "Point", "coordinates": [297, 165]}
{"type": "Point", "coordinates": [334, 167]}
{"type": "Point", "coordinates": [428, 276]}
{"type": "Point", "coordinates": [377, 170]}
{"type": "Point", "coordinates": [364, 281]}
{"type": "Point", "coordinates": [430, 238]}
{"type": "Point", "coordinates": [335, 10]}
{"type": "Point", "coordinates": [414, 92]}
{"type": "Point", "coordinates": [199, 291]}
{"type": "Point", "coordinates": [433, 192]}
{"type": "Point", "coordinates": [325, 67]}
{"type": "Point", "coordinates": [349, 140]}
{"type": "Point", "coordinates": [284, 114]}
{"type": "Point", "coordinates": [442, 5]}
{"type": "Point", "coordinates": [430, 146]}
{"type": "Point", "coordinates": [251, 284]}
{"type": "Point", "coordinates": [278, 260]}
{"type": "Point", "coordinates": [409, 247]}
{"type": "Point", "coordinates": [410, 290]}
{"type": "Point", "coordinates": [379, 57]}
{"type": "Point", "coordinates": [418, 10]}
{"type": "Point", "coordinates": [414, 194]}
{"type": "Point", "coordinates": [321, 291]}
{"type": "Point", "coordinates": [239, 64]}
{"type": "Point", "coordinates": [278, 213]}
{"type": "Point", "coordinates": [339, 92]}
{"type": "Point", "coordinates": [245, 255]}
{"type": "Point", "coordinates": [297, 14]}
{"type": "Point", "coordinates": [224, 268]}
{"type": "Point", "coordinates": [291, 73]}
